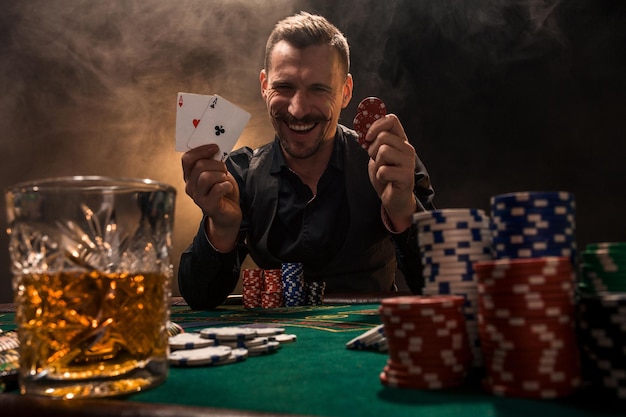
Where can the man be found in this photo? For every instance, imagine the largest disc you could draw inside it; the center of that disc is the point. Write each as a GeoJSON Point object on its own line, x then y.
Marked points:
{"type": "Point", "coordinates": [313, 195]}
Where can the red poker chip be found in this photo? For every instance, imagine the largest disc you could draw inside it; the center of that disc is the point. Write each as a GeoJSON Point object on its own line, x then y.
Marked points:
{"type": "Point", "coordinates": [505, 390]}
{"type": "Point", "coordinates": [432, 360]}
{"type": "Point", "coordinates": [506, 342]}
{"type": "Point", "coordinates": [426, 382]}
{"type": "Point", "coordinates": [529, 283]}
{"type": "Point", "coordinates": [532, 367]}
{"type": "Point", "coordinates": [426, 373]}
{"type": "Point", "coordinates": [372, 105]}
{"type": "Point", "coordinates": [369, 110]}
{"type": "Point", "coordinates": [418, 303]}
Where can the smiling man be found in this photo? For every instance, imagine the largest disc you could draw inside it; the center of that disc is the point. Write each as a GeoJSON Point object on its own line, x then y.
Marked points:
{"type": "Point", "coordinates": [313, 195]}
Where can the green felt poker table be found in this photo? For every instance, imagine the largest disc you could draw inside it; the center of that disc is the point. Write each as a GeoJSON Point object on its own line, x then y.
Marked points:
{"type": "Point", "coordinates": [315, 376]}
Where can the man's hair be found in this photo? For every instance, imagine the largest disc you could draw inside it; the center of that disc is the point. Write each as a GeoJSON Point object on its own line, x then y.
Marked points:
{"type": "Point", "coordinates": [304, 29]}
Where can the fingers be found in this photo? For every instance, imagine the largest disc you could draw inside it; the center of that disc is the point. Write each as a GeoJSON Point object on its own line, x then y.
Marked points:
{"type": "Point", "coordinates": [193, 156]}
{"type": "Point", "coordinates": [206, 179]}
{"type": "Point", "coordinates": [385, 130]}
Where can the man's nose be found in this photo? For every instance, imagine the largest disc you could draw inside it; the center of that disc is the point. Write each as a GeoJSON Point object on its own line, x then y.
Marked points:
{"type": "Point", "coordinates": [299, 105]}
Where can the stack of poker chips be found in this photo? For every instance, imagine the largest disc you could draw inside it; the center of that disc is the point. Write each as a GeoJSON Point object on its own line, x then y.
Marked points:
{"type": "Point", "coordinates": [294, 289]}
{"type": "Point", "coordinates": [602, 337]}
{"type": "Point", "coordinates": [252, 287]}
{"type": "Point", "coordinates": [315, 293]}
{"type": "Point", "coordinates": [603, 267]}
{"type": "Point", "coordinates": [450, 241]}
{"type": "Point", "coordinates": [427, 342]}
{"type": "Point", "coordinates": [527, 327]}
{"type": "Point", "coordinates": [272, 294]}
{"type": "Point", "coordinates": [534, 224]}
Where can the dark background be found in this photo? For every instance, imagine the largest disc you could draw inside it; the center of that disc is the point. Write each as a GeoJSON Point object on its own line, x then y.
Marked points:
{"type": "Point", "coordinates": [496, 96]}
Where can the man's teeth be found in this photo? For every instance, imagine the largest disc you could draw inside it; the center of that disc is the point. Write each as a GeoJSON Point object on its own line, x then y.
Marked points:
{"type": "Point", "coordinates": [302, 128]}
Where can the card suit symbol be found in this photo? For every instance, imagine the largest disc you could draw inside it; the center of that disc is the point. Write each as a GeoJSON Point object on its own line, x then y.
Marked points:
{"type": "Point", "coordinates": [195, 122]}
{"type": "Point", "coordinates": [219, 130]}
{"type": "Point", "coordinates": [180, 101]}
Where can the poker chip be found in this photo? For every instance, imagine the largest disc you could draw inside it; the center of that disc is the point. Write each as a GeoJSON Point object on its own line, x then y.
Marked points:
{"type": "Point", "coordinates": [199, 357]}
{"type": "Point", "coordinates": [283, 338]}
{"type": "Point", "coordinates": [602, 337]}
{"type": "Point", "coordinates": [252, 288]}
{"type": "Point", "coordinates": [236, 355]}
{"type": "Point", "coordinates": [527, 327]}
{"type": "Point", "coordinates": [228, 345]}
{"type": "Point", "coordinates": [315, 293]}
{"type": "Point", "coordinates": [450, 242]}
{"type": "Point", "coordinates": [369, 110]}
{"type": "Point", "coordinates": [427, 341]}
{"type": "Point", "coordinates": [189, 341]}
{"type": "Point", "coordinates": [174, 328]}
{"type": "Point", "coordinates": [9, 356]}
{"type": "Point", "coordinates": [272, 294]}
{"type": "Point", "coordinates": [269, 347]}
{"type": "Point", "coordinates": [372, 339]}
{"type": "Point", "coordinates": [534, 224]}
{"type": "Point", "coordinates": [603, 268]}
{"type": "Point", "coordinates": [268, 331]}
{"type": "Point", "coordinates": [245, 343]}
{"type": "Point", "coordinates": [229, 333]}
{"type": "Point", "coordinates": [294, 289]}
{"type": "Point", "coordinates": [9, 340]}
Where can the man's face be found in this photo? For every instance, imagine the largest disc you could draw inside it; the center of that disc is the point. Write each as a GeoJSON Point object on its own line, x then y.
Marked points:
{"type": "Point", "coordinates": [305, 90]}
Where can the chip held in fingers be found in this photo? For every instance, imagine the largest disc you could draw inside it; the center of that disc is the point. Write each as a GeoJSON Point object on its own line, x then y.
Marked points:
{"type": "Point", "coordinates": [368, 111]}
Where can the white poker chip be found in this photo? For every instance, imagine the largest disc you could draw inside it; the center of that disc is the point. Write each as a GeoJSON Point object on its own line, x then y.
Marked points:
{"type": "Point", "coordinates": [372, 335]}
{"type": "Point", "coordinates": [284, 338]}
{"type": "Point", "coordinates": [269, 331]}
{"type": "Point", "coordinates": [236, 355]}
{"type": "Point", "coordinates": [263, 349]}
{"type": "Point", "coordinates": [228, 333]}
{"type": "Point", "coordinates": [189, 341]}
{"type": "Point", "coordinates": [198, 357]}
{"type": "Point", "coordinates": [245, 343]}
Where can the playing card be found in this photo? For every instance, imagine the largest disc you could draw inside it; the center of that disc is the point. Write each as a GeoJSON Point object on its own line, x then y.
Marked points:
{"type": "Point", "coordinates": [190, 110]}
{"type": "Point", "coordinates": [222, 123]}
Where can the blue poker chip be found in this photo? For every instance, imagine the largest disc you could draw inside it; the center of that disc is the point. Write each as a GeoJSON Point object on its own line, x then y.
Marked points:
{"type": "Point", "coordinates": [529, 197]}
{"type": "Point", "coordinates": [520, 238]}
{"type": "Point", "coordinates": [536, 216]}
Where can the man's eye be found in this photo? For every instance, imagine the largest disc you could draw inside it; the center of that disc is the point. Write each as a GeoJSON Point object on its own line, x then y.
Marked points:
{"type": "Point", "coordinates": [282, 88]}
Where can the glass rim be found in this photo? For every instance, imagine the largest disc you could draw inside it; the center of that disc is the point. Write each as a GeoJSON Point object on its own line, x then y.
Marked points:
{"type": "Point", "coordinates": [89, 183]}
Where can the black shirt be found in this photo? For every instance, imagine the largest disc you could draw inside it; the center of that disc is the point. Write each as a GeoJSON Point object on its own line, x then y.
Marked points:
{"type": "Point", "coordinates": [298, 233]}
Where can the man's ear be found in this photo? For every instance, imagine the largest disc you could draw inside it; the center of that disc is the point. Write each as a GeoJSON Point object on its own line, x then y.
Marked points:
{"type": "Point", "coordinates": [347, 91]}
{"type": "Point", "coordinates": [263, 81]}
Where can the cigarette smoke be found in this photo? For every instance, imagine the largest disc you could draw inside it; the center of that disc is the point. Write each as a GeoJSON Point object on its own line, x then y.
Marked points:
{"type": "Point", "coordinates": [496, 95]}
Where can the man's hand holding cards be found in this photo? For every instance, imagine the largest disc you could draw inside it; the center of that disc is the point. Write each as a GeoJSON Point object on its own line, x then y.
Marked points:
{"type": "Point", "coordinates": [205, 119]}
